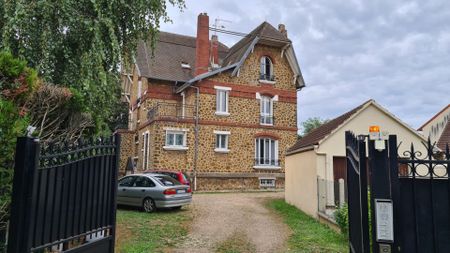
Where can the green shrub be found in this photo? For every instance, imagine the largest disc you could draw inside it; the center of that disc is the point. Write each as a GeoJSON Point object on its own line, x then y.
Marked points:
{"type": "Point", "coordinates": [17, 81]}
{"type": "Point", "coordinates": [341, 217]}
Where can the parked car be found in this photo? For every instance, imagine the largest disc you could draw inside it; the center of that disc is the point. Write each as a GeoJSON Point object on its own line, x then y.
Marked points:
{"type": "Point", "coordinates": [178, 175]}
{"type": "Point", "coordinates": [151, 191]}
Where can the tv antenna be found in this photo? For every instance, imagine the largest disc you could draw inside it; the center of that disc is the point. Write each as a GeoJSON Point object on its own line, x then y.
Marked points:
{"type": "Point", "coordinates": [217, 24]}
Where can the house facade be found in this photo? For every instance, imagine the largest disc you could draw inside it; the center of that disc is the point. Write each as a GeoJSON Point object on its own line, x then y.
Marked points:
{"type": "Point", "coordinates": [317, 162]}
{"type": "Point", "coordinates": [226, 116]}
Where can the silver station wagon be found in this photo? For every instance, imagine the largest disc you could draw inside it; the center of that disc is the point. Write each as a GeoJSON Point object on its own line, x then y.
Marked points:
{"type": "Point", "coordinates": [151, 191]}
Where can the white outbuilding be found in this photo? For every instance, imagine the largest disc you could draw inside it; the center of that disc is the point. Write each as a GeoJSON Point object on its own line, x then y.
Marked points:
{"type": "Point", "coordinates": [316, 163]}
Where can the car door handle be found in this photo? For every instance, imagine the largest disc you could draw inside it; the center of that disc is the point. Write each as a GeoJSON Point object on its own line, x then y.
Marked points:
{"type": "Point", "coordinates": [142, 190]}
{"type": "Point", "coordinates": [124, 190]}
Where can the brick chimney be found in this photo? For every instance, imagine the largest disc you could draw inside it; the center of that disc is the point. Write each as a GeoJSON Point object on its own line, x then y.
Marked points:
{"type": "Point", "coordinates": [214, 49]}
{"type": "Point", "coordinates": [282, 29]}
{"type": "Point", "coordinates": [202, 44]}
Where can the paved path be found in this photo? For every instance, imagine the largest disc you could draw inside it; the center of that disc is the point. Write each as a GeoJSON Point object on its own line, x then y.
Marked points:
{"type": "Point", "coordinates": [221, 216]}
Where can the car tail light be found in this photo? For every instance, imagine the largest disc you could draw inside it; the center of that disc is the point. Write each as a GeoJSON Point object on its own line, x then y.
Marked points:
{"type": "Point", "coordinates": [189, 190]}
{"type": "Point", "coordinates": [170, 192]}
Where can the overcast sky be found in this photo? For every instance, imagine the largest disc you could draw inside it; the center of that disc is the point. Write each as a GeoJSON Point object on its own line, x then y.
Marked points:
{"type": "Point", "coordinates": [396, 52]}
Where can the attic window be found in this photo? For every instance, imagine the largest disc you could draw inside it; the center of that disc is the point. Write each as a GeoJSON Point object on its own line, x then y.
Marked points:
{"type": "Point", "coordinates": [185, 65]}
{"type": "Point", "coordinates": [266, 69]}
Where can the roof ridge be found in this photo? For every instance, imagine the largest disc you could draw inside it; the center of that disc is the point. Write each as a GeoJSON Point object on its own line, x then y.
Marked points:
{"type": "Point", "coordinates": [188, 37]}
{"type": "Point", "coordinates": [321, 132]}
{"type": "Point", "coordinates": [432, 118]}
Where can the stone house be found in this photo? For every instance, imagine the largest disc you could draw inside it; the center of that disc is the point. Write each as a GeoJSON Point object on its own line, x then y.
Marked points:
{"type": "Point", "coordinates": [226, 116]}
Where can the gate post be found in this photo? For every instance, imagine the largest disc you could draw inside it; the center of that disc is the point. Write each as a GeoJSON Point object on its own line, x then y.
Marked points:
{"type": "Point", "coordinates": [380, 196]}
{"type": "Point", "coordinates": [358, 223]}
{"type": "Point", "coordinates": [395, 189]}
{"type": "Point", "coordinates": [26, 164]}
{"type": "Point", "coordinates": [115, 174]}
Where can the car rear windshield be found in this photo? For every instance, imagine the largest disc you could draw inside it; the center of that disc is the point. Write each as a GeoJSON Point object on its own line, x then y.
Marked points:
{"type": "Point", "coordinates": [167, 181]}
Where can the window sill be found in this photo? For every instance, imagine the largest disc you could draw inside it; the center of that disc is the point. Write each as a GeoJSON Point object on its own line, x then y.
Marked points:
{"type": "Point", "coordinates": [264, 124]}
{"type": "Point", "coordinates": [180, 148]}
{"type": "Point", "coordinates": [266, 81]}
{"type": "Point", "coordinates": [219, 150]}
{"type": "Point", "coordinates": [267, 186]}
{"type": "Point", "coordinates": [266, 167]}
{"type": "Point", "coordinates": [222, 113]}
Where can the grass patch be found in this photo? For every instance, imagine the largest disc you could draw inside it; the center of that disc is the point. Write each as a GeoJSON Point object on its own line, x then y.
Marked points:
{"type": "Point", "coordinates": [237, 243]}
{"type": "Point", "coordinates": [139, 232]}
{"type": "Point", "coordinates": [308, 235]}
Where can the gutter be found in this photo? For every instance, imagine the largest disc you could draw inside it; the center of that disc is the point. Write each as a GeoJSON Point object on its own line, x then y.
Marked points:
{"type": "Point", "coordinates": [203, 76]}
{"type": "Point", "coordinates": [301, 150]}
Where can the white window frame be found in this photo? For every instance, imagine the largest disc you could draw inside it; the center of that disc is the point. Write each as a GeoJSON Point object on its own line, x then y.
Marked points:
{"type": "Point", "coordinates": [219, 149]}
{"type": "Point", "coordinates": [222, 94]}
{"type": "Point", "coordinates": [271, 153]}
{"type": "Point", "coordinates": [263, 69]}
{"type": "Point", "coordinates": [145, 150]}
{"type": "Point", "coordinates": [139, 89]}
{"type": "Point", "coordinates": [266, 118]}
{"type": "Point", "coordinates": [174, 146]}
{"type": "Point", "coordinates": [183, 107]}
{"type": "Point", "coordinates": [272, 184]}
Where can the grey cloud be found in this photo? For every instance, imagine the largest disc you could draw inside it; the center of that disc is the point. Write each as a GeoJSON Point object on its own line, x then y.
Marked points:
{"type": "Point", "coordinates": [396, 52]}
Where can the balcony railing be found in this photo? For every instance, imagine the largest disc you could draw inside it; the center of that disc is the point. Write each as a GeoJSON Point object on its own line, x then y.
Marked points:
{"type": "Point", "coordinates": [267, 162]}
{"type": "Point", "coordinates": [171, 111]}
{"type": "Point", "coordinates": [266, 120]}
{"type": "Point", "coordinates": [267, 77]}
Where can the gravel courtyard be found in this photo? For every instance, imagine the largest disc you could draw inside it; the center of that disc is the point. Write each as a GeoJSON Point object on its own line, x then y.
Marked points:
{"type": "Point", "coordinates": [235, 218]}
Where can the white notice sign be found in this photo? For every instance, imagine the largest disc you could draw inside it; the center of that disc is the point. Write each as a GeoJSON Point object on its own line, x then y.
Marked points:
{"type": "Point", "coordinates": [384, 220]}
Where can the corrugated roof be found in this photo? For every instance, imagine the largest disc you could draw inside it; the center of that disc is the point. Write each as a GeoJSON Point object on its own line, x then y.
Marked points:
{"type": "Point", "coordinates": [170, 51]}
{"type": "Point", "coordinates": [318, 134]}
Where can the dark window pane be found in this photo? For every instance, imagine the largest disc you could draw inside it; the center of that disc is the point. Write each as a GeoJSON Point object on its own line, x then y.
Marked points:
{"type": "Point", "coordinates": [127, 181]}
{"type": "Point", "coordinates": [167, 181]}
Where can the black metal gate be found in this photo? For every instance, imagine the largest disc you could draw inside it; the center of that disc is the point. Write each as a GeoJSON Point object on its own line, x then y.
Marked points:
{"type": "Point", "coordinates": [357, 193]}
{"type": "Point", "coordinates": [424, 203]}
{"type": "Point", "coordinates": [409, 197]}
{"type": "Point", "coordinates": [64, 196]}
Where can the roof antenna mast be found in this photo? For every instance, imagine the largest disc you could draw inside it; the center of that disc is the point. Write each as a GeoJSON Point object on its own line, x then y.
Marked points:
{"type": "Point", "coordinates": [217, 24]}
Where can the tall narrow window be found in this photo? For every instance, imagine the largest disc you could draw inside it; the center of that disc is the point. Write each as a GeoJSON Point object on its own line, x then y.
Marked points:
{"type": "Point", "coordinates": [266, 69]}
{"type": "Point", "coordinates": [145, 150]}
{"type": "Point", "coordinates": [139, 89]}
{"type": "Point", "coordinates": [266, 110]}
{"type": "Point", "coordinates": [222, 95]}
{"type": "Point", "coordinates": [266, 153]}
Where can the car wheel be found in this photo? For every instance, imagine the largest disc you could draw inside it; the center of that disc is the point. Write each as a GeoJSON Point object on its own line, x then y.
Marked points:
{"type": "Point", "coordinates": [176, 207]}
{"type": "Point", "coordinates": [148, 205]}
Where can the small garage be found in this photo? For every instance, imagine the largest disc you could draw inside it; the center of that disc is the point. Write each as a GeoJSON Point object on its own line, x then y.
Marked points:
{"type": "Point", "coordinates": [316, 162]}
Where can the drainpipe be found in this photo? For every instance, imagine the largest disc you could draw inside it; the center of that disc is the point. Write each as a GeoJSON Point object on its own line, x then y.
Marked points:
{"type": "Point", "coordinates": [197, 97]}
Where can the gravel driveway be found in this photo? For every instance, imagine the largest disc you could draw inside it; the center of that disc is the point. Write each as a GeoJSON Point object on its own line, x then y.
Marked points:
{"type": "Point", "coordinates": [221, 216]}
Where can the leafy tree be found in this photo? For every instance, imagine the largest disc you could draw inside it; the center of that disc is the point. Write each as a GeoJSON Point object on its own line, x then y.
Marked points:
{"type": "Point", "coordinates": [81, 44]}
{"type": "Point", "coordinates": [17, 83]}
{"type": "Point", "coordinates": [311, 124]}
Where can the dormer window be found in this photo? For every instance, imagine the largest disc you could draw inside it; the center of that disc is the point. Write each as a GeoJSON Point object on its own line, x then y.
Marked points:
{"type": "Point", "coordinates": [266, 69]}
{"type": "Point", "coordinates": [185, 65]}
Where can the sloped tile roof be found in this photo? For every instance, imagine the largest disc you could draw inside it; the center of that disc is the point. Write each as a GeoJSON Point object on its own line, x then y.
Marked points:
{"type": "Point", "coordinates": [264, 30]}
{"type": "Point", "coordinates": [318, 134]}
{"type": "Point", "coordinates": [164, 63]}
{"type": "Point", "coordinates": [435, 116]}
{"type": "Point", "coordinates": [445, 137]}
